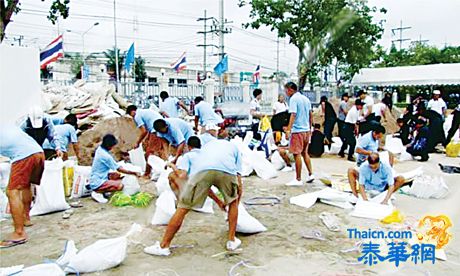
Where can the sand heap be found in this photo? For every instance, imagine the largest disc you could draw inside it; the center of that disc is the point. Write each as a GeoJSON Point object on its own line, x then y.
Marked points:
{"type": "Point", "coordinates": [390, 123]}
{"type": "Point", "coordinates": [124, 130]}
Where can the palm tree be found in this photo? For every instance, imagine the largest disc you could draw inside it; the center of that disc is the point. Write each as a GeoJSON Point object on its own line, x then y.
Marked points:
{"type": "Point", "coordinates": [110, 55]}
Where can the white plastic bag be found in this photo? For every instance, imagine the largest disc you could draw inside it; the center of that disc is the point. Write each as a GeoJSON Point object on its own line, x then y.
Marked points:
{"type": "Point", "coordinates": [373, 209]}
{"type": "Point", "coordinates": [5, 168]}
{"type": "Point", "coordinates": [130, 167]}
{"type": "Point", "coordinates": [81, 178]}
{"type": "Point", "coordinates": [5, 211]}
{"type": "Point", "coordinates": [247, 224]}
{"type": "Point", "coordinates": [394, 145]}
{"type": "Point", "coordinates": [99, 256]}
{"type": "Point", "coordinates": [207, 207]}
{"type": "Point", "coordinates": [158, 166]}
{"type": "Point", "coordinates": [405, 156]}
{"type": "Point", "coordinates": [277, 161]}
{"type": "Point", "coordinates": [137, 157]}
{"type": "Point", "coordinates": [427, 186]}
{"type": "Point", "coordinates": [163, 182]}
{"type": "Point", "coordinates": [130, 185]}
{"type": "Point", "coordinates": [264, 169]}
{"type": "Point", "coordinates": [50, 193]}
{"type": "Point", "coordinates": [165, 208]}
{"type": "Point", "coordinates": [246, 164]}
{"type": "Point", "coordinates": [49, 269]}
{"type": "Point", "coordinates": [336, 145]}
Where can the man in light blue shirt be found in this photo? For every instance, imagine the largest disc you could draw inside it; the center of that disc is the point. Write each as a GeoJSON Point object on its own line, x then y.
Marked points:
{"type": "Point", "coordinates": [169, 106]}
{"type": "Point", "coordinates": [27, 165]}
{"type": "Point", "coordinates": [175, 131]}
{"type": "Point", "coordinates": [376, 176]}
{"type": "Point", "coordinates": [102, 179]}
{"type": "Point", "coordinates": [66, 135]}
{"type": "Point", "coordinates": [299, 130]}
{"type": "Point", "coordinates": [204, 114]}
{"type": "Point", "coordinates": [220, 165]}
{"type": "Point", "coordinates": [154, 145]}
{"type": "Point", "coordinates": [369, 143]}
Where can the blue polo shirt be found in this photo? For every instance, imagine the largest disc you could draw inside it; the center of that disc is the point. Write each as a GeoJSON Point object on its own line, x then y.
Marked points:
{"type": "Point", "coordinates": [377, 180]}
{"type": "Point", "coordinates": [301, 106]}
{"type": "Point", "coordinates": [219, 155]}
{"type": "Point", "coordinates": [66, 134]}
{"type": "Point", "coordinates": [16, 144]}
{"type": "Point", "coordinates": [170, 106]}
{"type": "Point", "coordinates": [366, 142]}
{"type": "Point", "coordinates": [146, 118]}
{"type": "Point", "coordinates": [188, 161]}
{"type": "Point", "coordinates": [178, 131]}
{"type": "Point", "coordinates": [103, 163]}
{"type": "Point", "coordinates": [206, 114]}
{"type": "Point", "coordinates": [206, 138]}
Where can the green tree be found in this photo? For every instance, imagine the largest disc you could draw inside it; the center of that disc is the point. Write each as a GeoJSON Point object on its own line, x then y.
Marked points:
{"type": "Point", "coordinates": [9, 7]}
{"type": "Point", "coordinates": [139, 69]}
{"type": "Point", "coordinates": [322, 31]}
{"type": "Point", "coordinates": [111, 61]}
{"type": "Point", "coordinates": [76, 62]}
{"type": "Point", "coordinates": [419, 54]}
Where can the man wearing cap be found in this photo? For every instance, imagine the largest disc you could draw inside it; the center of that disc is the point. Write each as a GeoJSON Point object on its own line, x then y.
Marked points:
{"type": "Point", "coordinates": [204, 114]}
{"type": "Point", "coordinates": [351, 129]}
{"type": "Point", "coordinates": [27, 165]}
{"type": "Point", "coordinates": [176, 132]}
{"type": "Point", "coordinates": [437, 103]}
{"type": "Point", "coordinates": [40, 128]}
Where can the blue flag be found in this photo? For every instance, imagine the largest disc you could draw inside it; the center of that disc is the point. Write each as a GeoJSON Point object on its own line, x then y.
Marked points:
{"type": "Point", "coordinates": [129, 59]}
{"type": "Point", "coordinates": [222, 66]}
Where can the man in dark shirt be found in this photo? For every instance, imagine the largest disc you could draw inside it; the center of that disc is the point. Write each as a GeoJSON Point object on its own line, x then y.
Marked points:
{"type": "Point", "coordinates": [435, 126]}
{"type": "Point", "coordinates": [330, 118]}
{"type": "Point", "coordinates": [420, 143]}
{"type": "Point", "coordinates": [404, 131]}
{"type": "Point", "coordinates": [316, 148]}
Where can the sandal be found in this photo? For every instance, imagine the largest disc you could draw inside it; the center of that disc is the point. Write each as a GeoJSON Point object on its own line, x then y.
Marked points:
{"type": "Point", "coordinates": [11, 243]}
{"type": "Point", "coordinates": [67, 214]}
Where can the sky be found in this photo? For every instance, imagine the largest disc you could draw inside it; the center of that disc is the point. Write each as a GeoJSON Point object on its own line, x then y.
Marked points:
{"type": "Point", "coordinates": [166, 29]}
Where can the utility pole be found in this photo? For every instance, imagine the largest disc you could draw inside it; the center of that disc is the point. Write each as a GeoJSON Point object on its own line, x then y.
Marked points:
{"type": "Point", "coordinates": [400, 30]}
{"type": "Point", "coordinates": [116, 46]}
{"type": "Point", "coordinates": [205, 33]}
{"type": "Point", "coordinates": [420, 41]}
{"type": "Point", "coordinates": [19, 39]}
{"type": "Point", "coordinates": [222, 30]}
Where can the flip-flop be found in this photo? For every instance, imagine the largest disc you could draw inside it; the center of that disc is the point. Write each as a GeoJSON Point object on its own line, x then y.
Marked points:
{"type": "Point", "coordinates": [76, 204]}
{"type": "Point", "coordinates": [67, 214]}
{"type": "Point", "coordinates": [11, 243]}
{"type": "Point", "coordinates": [313, 234]}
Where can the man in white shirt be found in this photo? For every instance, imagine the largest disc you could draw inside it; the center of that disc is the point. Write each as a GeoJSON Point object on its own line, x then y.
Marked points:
{"type": "Point", "coordinates": [368, 102]}
{"type": "Point", "coordinates": [437, 103]}
{"type": "Point", "coordinates": [350, 130]}
{"type": "Point", "coordinates": [254, 113]}
{"type": "Point", "coordinates": [378, 110]}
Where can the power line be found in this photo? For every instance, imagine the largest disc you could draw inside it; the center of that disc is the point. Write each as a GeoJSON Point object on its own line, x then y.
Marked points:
{"type": "Point", "coordinates": [401, 39]}
{"type": "Point", "coordinates": [205, 34]}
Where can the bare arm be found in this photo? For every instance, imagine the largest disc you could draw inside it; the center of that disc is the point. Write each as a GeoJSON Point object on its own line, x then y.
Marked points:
{"type": "Point", "coordinates": [389, 193]}
{"type": "Point", "coordinates": [196, 123]}
{"type": "Point", "coordinates": [363, 152]}
{"type": "Point", "coordinates": [76, 149]}
{"type": "Point", "coordinates": [125, 171]}
{"type": "Point", "coordinates": [362, 191]}
{"type": "Point", "coordinates": [291, 123]}
{"type": "Point", "coordinates": [311, 118]}
{"type": "Point", "coordinates": [180, 149]}
{"type": "Point", "coordinates": [184, 107]}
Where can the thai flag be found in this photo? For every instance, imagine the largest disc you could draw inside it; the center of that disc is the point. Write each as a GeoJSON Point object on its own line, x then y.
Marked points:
{"type": "Point", "coordinates": [256, 75]}
{"type": "Point", "coordinates": [180, 64]}
{"type": "Point", "coordinates": [52, 52]}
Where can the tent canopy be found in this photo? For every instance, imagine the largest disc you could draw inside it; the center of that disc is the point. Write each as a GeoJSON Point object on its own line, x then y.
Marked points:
{"type": "Point", "coordinates": [434, 74]}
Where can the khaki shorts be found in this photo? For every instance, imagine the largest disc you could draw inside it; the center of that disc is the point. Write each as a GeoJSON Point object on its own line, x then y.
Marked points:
{"type": "Point", "coordinates": [196, 189]}
{"type": "Point", "coordinates": [26, 171]}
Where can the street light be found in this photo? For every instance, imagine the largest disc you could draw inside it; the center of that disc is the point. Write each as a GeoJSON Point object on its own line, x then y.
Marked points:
{"type": "Point", "coordinates": [82, 35]}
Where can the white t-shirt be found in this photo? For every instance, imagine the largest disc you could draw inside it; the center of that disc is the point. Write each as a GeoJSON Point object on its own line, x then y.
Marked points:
{"type": "Point", "coordinates": [378, 109]}
{"type": "Point", "coordinates": [280, 107]}
{"type": "Point", "coordinates": [353, 115]}
{"type": "Point", "coordinates": [254, 105]}
{"type": "Point", "coordinates": [437, 105]}
{"type": "Point", "coordinates": [368, 102]}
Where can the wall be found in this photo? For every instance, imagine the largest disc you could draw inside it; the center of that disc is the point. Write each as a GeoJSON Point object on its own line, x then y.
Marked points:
{"type": "Point", "coordinates": [20, 86]}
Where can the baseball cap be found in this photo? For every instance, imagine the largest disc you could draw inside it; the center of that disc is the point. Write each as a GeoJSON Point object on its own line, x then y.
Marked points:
{"type": "Point", "coordinates": [436, 92]}
{"type": "Point", "coordinates": [36, 117]}
{"type": "Point", "coordinates": [211, 127]}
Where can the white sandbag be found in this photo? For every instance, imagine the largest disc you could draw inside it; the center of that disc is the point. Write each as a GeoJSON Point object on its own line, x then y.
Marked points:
{"type": "Point", "coordinates": [411, 175]}
{"type": "Point", "coordinates": [130, 185]}
{"type": "Point", "coordinates": [101, 255]}
{"type": "Point", "coordinates": [11, 270]}
{"type": "Point", "coordinates": [137, 157]}
{"type": "Point", "coordinates": [447, 124]}
{"type": "Point", "coordinates": [264, 169]}
{"type": "Point", "coordinates": [130, 167]}
{"type": "Point", "coordinates": [247, 224]}
{"type": "Point", "coordinates": [277, 161]}
{"type": "Point", "coordinates": [427, 186]}
{"type": "Point", "coordinates": [207, 207]}
{"type": "Point", "coordinates": [158, 166]}
{"type": "Point", "coordinates": [5, 168]}
{"type": "Point", "coordinates": [335, 146]}
{"type": "Point", "coordinates": [50, 195]}
{"type": "Point", "coordinates": [49, 269]}
{"type": "Point", "coordinates": [371, 209]}
{"type": "Point", "coordinates": [165, 208]}
{"type": "Point", "coordinates": [332, 195]}
{"type": "Point", "coordinates": [394, 145]}
{"type": "Point", "coordinates": [340, 204]}
{"type": "Point", "coordinates": [246, 164]}
{"type": "Point", "coordinates": [163, 182]}
{"type": "Point", "coordinates": [81, 178]}
{"type": "Point", "coordinates": [5, 211]}
{"type": "Point", "coordinates": [405, 156]}
{"type": "Point", "coordinates": [385, 157]}
{"type": "Point", "coordinates": [304, 200]}
{"type": "Point", "coordinates": [247, 138]}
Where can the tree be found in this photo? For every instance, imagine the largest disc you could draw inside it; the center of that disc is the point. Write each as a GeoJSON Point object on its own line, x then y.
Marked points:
{"type": "Point", "coordinates": [419, 54]}
{"type": "Point", "coordinates": [76, 62]}
{"type": "Point", "coordinates": [9, 7]}
{"type": "Point", "coordinates": [110, 55]}
{"type": "Point", "coordinates": [139, 69]}
{"type": "Point", "coordinates": [322, 31]}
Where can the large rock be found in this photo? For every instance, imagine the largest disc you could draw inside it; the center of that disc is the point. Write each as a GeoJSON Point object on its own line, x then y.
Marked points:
{"type": "Point", "coordinates": [124, 130]}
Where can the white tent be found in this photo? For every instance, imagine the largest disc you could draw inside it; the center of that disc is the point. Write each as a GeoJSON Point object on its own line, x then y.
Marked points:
{"type": "Point", "coordinates": [435, 74]}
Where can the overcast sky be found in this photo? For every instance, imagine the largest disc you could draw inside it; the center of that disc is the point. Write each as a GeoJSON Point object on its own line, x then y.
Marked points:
{"type": "Point", "coordinates": [166, 29]}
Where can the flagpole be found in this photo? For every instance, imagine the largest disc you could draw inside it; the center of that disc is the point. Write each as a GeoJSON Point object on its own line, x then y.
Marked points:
{"type": "Point", "coordinates": [117, 77]}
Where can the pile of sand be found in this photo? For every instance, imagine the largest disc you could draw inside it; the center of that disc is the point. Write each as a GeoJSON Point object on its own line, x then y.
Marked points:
{"type": "Point", "coordinates": [124, 130]}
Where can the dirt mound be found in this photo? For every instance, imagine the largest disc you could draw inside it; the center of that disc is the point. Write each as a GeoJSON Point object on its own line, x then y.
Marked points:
{"type": "Point", "coordinates": [124, 130]}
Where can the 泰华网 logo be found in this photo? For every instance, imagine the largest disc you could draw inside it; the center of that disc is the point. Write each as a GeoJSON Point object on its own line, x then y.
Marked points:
{"type": "Point", "coordinates": [416, 246]}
